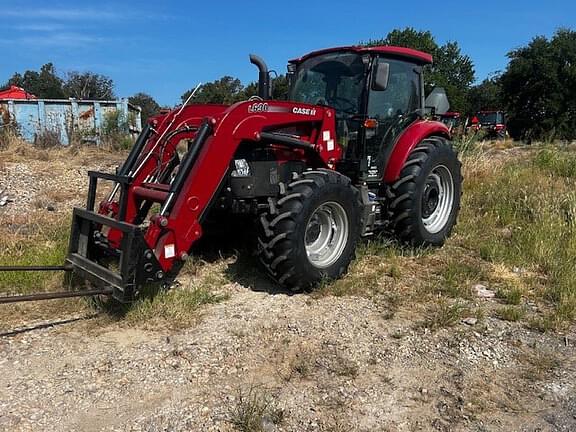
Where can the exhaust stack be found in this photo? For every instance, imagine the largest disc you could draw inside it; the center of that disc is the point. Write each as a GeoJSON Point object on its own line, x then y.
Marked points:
{"type": "Point", "coordinates": [263, 77]}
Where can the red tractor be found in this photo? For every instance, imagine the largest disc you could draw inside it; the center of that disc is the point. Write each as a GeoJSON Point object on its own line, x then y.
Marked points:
{"type": "Point", "coordinates": [351, 152]}
{"type": "Point", "coordinates": [454, 122]}
{"type": "Point", "coordinates": [493, 123]}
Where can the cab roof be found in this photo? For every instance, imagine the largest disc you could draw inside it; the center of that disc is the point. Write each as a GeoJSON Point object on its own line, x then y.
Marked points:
{"type": "Point", "coordinates": [409, 54]}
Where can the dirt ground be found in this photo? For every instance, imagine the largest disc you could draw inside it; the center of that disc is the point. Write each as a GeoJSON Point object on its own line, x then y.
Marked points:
{"type": "Point", "coordinates": [264, 360]}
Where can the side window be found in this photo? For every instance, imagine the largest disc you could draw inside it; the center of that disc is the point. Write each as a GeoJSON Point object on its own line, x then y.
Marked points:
{"type": "Point", "coordinates": [402, 95]}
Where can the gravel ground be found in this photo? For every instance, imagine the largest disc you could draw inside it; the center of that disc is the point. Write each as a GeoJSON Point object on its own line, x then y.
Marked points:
{"type": "Point", "coordinates": [39, 186]}
{"type": "Point", "coordinates": [327, 364]}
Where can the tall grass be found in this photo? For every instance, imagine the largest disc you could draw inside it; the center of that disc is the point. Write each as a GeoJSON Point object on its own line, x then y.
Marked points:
{"type": "Point", "coordinates": [38, 243]}
{"type": "Point", "coordinates": [8, 137]}
{"type": "Point", "coordinates": [534, 202]}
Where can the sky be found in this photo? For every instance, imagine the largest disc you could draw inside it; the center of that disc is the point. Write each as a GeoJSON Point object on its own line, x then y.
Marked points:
{"type": "Point", "coordinates": [165, 48]}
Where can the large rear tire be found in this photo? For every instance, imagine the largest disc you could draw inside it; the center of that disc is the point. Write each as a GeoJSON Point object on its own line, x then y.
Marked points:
{"type": "Point", "coordinates": [311, 232]}
{"type": "Point", "coordinates": [425, 200]}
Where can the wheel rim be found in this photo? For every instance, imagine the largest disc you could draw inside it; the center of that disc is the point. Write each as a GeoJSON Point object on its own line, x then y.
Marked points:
{"type": "Point", "coordinates": [437, 199]}
{"type": "Point", "coordinates": [326, 234]}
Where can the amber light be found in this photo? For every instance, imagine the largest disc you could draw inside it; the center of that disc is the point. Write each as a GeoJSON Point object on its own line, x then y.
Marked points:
{"type": "Point", "coordinates": [370, 123]}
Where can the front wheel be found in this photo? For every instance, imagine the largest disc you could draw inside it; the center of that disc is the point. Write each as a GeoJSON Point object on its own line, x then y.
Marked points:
{"type": "Point", "coordinates": [425, 200]}
{"type": "Point", "coordinates": [311, 232]}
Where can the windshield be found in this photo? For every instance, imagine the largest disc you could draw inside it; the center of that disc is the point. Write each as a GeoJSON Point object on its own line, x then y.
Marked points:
{"type": "Point", "coordinates": [489, 117]}
{"type": "Point", "coordinates": [334, 79]}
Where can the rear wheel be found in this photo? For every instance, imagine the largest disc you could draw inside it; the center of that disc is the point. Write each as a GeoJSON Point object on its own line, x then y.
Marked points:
{"type": "Point", "coordinates": [425, 200]}
{"type": "Point", "coordinates": [311, 232]}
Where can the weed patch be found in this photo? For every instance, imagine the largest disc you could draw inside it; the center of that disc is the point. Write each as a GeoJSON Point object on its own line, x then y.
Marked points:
{"type": "Point", "coordinates": [175, 308]}
{"type": "Point", "coordinates": [458, 277]}
{"type": "Point", "coordinates": [443, 314]}
{"type": "Point", "coordinates": [255, 411]}
{"type": "Point", "coordinates": [510, 295]}
{"type": "Point", "coordinates": [556, 162]}
{"type": "Point", "coordinates": [510, 313]}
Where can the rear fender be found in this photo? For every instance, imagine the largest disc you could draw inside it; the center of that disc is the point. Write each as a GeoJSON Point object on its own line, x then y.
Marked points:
{"type": "Point", "coordinates": [409, 139]}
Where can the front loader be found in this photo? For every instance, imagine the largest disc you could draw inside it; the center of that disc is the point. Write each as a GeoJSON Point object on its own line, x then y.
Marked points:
{"type": "Point", "coordinates": [351, 152]}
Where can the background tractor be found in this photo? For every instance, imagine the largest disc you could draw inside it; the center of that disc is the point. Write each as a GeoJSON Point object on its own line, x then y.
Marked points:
{"type": "Point", "coordinates": [492, 123]}
{"type": "Point", "coordinates": [455, 122]}
{"type": "Point", "coordinates": [350, 153]}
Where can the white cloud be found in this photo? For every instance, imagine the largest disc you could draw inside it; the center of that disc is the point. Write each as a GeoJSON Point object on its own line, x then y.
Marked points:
{"type": "Point", "coordinates": [62, 14]}
{"type": "Point", "coordinates": [38, 27]}
{"type": "Point", "coordinates": [78, 14]}
{"type": "Point", "coordinates": [56, 40]}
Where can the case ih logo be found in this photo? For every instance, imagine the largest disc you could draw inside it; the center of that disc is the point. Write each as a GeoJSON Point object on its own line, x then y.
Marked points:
{"type": "Point", "coordinates": [258, 107]}
{"type": "Point", "coordinates": [304, 111]}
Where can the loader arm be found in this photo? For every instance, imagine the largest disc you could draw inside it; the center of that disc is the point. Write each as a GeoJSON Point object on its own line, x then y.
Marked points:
{"type": "Point", "coordinates": [174, 231]}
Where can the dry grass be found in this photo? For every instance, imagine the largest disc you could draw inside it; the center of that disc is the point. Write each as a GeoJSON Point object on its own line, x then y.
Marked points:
{"type": "Point", "coordinates": [14, 149]}
{"type": "Point", "coordinates": [8, 138]}
{"type": "Point", "coordinates": [537, 363]}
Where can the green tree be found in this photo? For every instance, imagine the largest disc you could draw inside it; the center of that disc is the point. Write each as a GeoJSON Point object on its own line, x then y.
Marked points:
{"type": "Point", "coordinates": [539, 88]}
{"type": "Point", "coordinates": [147, 103]}
{"type": "Point", "coordinates": [451, 69]}
{"type": "Point", "coordinates": [226, 90]}
{"type": "Point", "coordinates": [88, 85]}
{"type": "Point", "coordinates": [487, 95]}
{"type": "Point", "coordinates": [45, 84]}
{"type": "Point", "coordinates": [279, 88]}
{"type": "Point", "coordinates": [229, 90]}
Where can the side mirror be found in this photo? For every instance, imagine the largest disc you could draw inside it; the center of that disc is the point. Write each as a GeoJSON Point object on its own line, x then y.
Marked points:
{"type": "Point", "coordinates": [437, 101]}
{"type": "Point", "coordinates": [381, 75]}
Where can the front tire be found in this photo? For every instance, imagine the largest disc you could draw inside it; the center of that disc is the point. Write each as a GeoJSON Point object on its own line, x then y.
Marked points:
{"type": "Point", "coordinates": [311, 232]}
{"type": "Point", "coordinates": [425, 200]}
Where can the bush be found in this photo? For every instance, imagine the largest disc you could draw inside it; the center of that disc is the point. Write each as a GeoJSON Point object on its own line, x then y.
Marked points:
{"type": "Point", "coordinates": [114, 123]}
{"type": "Point", "coordinates": [556, 162]}
{"type": "Point", "coordinates": [114, 131]}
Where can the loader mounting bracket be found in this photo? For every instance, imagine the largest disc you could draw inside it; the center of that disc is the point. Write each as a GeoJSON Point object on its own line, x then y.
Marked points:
{"type": "Point", "coordinates": [125, 270]}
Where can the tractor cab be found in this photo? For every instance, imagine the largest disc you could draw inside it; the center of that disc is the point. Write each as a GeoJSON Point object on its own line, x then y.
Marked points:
{"type": "Point", "coordinates": [376, 92]}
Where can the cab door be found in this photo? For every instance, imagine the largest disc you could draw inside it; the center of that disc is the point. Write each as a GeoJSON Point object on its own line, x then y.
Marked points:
{"type": "Point", "coordinates": [390, 112]}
